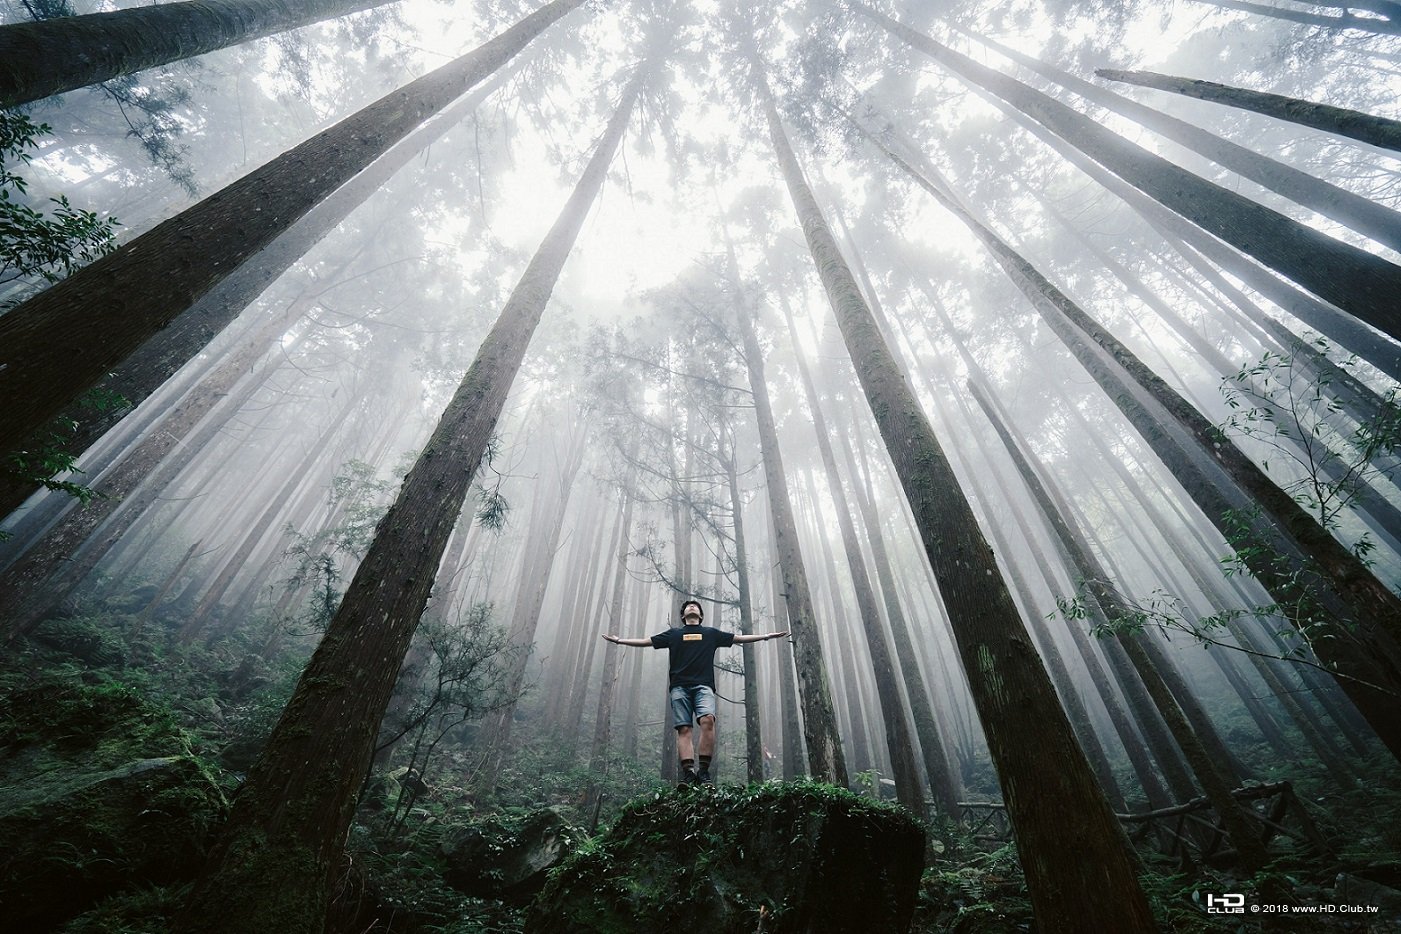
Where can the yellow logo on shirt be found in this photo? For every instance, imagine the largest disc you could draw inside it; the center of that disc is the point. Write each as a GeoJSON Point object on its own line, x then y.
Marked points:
{"type": "Point", "coordinates": [692, 637]}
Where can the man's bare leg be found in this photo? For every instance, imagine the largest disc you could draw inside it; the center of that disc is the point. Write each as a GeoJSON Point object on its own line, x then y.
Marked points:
{"type": "Point", "coordinates": [707, 737]}
{"type": "Point", "coordinates": [685, 749]}
{"type": "Point", "coordinates": [707, 745]}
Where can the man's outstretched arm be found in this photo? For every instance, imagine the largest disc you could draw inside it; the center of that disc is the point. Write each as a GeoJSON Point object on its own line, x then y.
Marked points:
{"type": "Point", "coordinates": [640, 643]}
{"type": "Point", "coordinates": [760, 637]}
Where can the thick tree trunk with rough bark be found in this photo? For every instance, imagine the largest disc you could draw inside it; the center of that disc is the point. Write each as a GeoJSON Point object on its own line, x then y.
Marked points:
{"type": "Point", "coordinates": [942, 780]}
{"type": "Point", "coordinates": [155, 361]}
{"type": "Point", "coordinates": [1354, 124]}
{"type": "Point", "coordinates": [1354, 280]}
{"type": "Point", "coordinates": [51, 56]}
{"type": "Point", "coordinates": [290, 818]}
{"type": "Point", "coordinates": [58, 344]}
{"type": "Point", "coordinates": [1030, 739]}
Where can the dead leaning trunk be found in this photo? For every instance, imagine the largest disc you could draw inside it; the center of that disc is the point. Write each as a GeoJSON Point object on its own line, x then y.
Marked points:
{"type": "Point", "coordinates": [59, 343]}
{"type": "Point", "coordinates": [289, 820]}
{"type": "Point", "coordinates": [824, 748]}
{"type": "Point", "coordinates": [1029, 737]}
{"type": "Point", "coordinates": [51, 56]}
{"type": "Point", "coordinates": [1340, 121]}
{"type": "Point", "coordinates": [1354, 280]}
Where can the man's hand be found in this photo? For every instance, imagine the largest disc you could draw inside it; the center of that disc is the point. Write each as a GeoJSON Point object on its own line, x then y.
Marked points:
{"type": "Point", "coordinates": [611, 638]}
{"type": "Point", "coordinates": [778, 635]}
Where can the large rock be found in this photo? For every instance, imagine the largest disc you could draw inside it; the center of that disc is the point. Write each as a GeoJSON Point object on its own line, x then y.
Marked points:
{"type": "Point", "coordinates": [506, 860]}
{"type": "Point", "coordinates": [99, 792]}
{"type": "Point", "coordinates": [782, 859]}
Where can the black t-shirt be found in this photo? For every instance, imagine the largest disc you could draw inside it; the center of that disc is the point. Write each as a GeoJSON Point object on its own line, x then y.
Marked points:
{"type": "Point", "coordinates": [692, 653]}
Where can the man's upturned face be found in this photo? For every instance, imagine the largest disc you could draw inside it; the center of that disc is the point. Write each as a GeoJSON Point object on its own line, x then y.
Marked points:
{"type": "Point", "coordinates": [691, 616]}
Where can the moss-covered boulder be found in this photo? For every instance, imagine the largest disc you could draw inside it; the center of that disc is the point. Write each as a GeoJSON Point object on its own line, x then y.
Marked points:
{"type": "Point", "coordinates": [99, 792]}
{"type": "Point", "coordinates": [783, 859]}
{"type": "Point", "coordinates": [506, 859]}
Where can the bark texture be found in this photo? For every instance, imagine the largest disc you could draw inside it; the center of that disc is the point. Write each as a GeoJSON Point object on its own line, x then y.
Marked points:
{"type": "Point", "coordinates": [1340, 121]}
{"type": "Point", "coordinates": [1049, 788]}
{"type": "Point", "coordinates": [1361, 641]}
{"type": "Point", "coordinates": [62, 341]}
{"type": "Point", "coordinates": [273, 864]}
{"type": "Point", "coordinates": [824, 748]}
{"type": "Point", "coordinates": [1354, 280]}
{"type": "Point", "coordinates": [51, 56]}
{"type": "Point", "coordinates": [160, 357]}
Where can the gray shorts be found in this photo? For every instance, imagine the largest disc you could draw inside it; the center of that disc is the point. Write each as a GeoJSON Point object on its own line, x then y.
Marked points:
{"type": "Point", "coordinates": [690, 703]}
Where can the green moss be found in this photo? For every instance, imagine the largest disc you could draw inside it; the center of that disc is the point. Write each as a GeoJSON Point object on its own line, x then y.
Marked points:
{"type": "Point", "coordinates": [100, 790]}
{"type": "Point", "coordinates": [735, 859]}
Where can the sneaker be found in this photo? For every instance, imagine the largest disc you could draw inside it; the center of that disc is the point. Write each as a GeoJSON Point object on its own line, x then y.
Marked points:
{"type": "Point", "coordinates": [703, 778]}
{"type": "Point", "coordinates": [689, 777]}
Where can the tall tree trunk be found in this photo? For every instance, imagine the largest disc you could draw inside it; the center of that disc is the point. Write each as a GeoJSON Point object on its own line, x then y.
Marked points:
{"type": "Point", "coordinates": [909, 789]}
{"type": "Point", "coordinates": [1354, 124]}
{"type": "Point", "coordinates": [793, 754]}
{"type": "Point", "coordinates": [848, 668]}
{"type": "Point", "coordinates": [753, 737]}
{"type": "Point", "coordinates": [290, 818]}
{"type": "Point", "coordinates": [49, 572]}
{"type": "Point", "coordinates": [603, 717]}
{"type": "Point", "coordinates": [824, 748]}
{"type": "Point", "coordinates": [1030, 739]}
{"type": "Point", "coordinates": [1356, 281]}
{"type": "Point", "coordinates": [1363, 615]}
{"type": "Point", "coordinates": [158, 359]}
{"type": "Point", "coordinates": [593, 623]}
{"type": "Point", "coordinates": [51, 56]}
{"type": "Point", "coordinates": [1120, 719]}
{"type": "Point", "coordinates": [942, 781]}
{"type": "Point", "coordinates": [1344, 21]}
{"type": "Point", "coordinates": [1211, 771]}
{"type": "Point", "coordinates": [1377, 221]}
{"type": "Point", "coordinates": [571, 642]}
{"type": "Point", "coordinates": [62, 341]}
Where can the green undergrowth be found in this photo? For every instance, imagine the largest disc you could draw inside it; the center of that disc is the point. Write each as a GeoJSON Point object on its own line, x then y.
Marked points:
{"type": "Point", "coordinates": [735, 858]}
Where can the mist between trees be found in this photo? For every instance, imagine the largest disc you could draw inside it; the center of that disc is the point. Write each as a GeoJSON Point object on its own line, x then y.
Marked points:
{"type": "Point", "coordinates": [364, 363]}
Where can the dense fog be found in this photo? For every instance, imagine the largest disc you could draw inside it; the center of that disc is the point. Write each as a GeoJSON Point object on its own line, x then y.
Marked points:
{"type": "Point", "coordinates": [1051, 415]}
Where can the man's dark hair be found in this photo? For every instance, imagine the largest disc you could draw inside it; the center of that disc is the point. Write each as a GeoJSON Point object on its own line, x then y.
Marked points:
{"type": "Point", "coordinates": [695, 603]}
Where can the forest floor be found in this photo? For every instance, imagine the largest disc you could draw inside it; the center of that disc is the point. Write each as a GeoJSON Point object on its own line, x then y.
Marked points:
{"type": "Point", "coordinates": [94, 730]}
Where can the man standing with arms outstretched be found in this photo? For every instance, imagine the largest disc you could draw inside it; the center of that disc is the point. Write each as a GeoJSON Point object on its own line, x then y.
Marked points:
{"type": "Point", "coordinates": [691, 683]}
